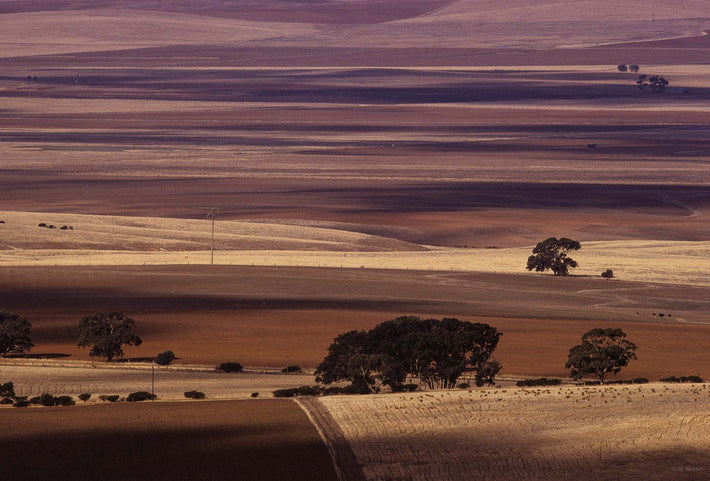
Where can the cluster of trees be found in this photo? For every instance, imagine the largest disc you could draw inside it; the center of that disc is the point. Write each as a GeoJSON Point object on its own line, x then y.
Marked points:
{"type": "Point", "coordinates": [429, 351]}
{"type": "Point", "coordinates": [622, 67]}
{"type": "Point", "coordinates": [106, 333]}
{"type": "Point", "coordinates": [654, 82]}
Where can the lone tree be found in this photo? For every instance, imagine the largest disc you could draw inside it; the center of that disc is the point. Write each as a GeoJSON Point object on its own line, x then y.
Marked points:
{"type": "Point", "coordinates": [552, 254]}
{"type": "Point", "coordinates": [602, 351]}
{"type": "Point", "coordinates": [107, 333]}
{"type": "Point", "coordinates": [14, 333]}
{"type": "Point", "coordinates": [430, 351]}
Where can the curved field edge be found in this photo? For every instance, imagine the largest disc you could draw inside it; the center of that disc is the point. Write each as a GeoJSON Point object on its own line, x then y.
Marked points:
{"type": "Point", "coordinates": [654, 431]}
{"type": "Point", "coordinates": [213, 440]}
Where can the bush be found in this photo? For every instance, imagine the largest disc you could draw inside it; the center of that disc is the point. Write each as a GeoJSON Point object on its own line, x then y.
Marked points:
{"type": "Point", "coordinates": [293, 368]}
{"type": "Point", "coordinates": [41, 224]}
{"type": "Point", "coordinates": [84, 396]}
{"type": "Point", "coordinates": [608, 274]}
{"type": "Point", "coordinates": [140, 396]}
{"type": "Point", "coordinates": [349, 389]}
{"type": "Point", "coordinates": [543, 381]}
{"type": "Point", "coordinates": [64, 401]}
{"type": "Point", "coordinates": [255, 394]}
{"type": "Point", "coordinates": [112, 398]}
{"type": "Point", "coordinates": [639, 380]}
{"type": "Point", "coordinates": [46, 399]}
{"type": "Point", "coordinates": [194, 395]}
{"type": "Point", "coordinates": [22, 402]}
{"type": "Point", "coordinates": [691, 379]}
{"type": "Point", "coordinates": [230, 367]}
{"type": "Point", "coordinates": [463, 385]}
{"type": "Point", "coordinates": [299, 391]}
{"type": "Point", "coordinates": [165, 358]}
{"type": "Point", "coordinates": [622, 68]}
{"type": "Point", "coordinates": [405, 387]}
{"type": "Point", "coordinates": [7, 393]}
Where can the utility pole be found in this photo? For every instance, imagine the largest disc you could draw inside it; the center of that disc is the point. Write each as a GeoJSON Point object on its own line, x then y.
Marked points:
{"type": "Point", "coordinates": [212, 212]}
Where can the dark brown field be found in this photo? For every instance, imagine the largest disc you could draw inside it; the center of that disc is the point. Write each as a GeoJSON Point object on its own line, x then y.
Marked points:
{"type": "Point", "coordinates": [215, 440]}
{"type": "Point", "coordinates": [261, 315]}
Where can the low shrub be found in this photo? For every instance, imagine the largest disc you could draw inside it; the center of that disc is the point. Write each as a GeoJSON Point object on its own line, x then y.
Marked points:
{"type": "Point", "coordinates": [255, 394]}
{"type": "Point", "coordinates": [165, 358]}
{"type": "Point", "coordinates": [543, 381]}
{"type": "Point", "coordinates": [46, 399]}
{"type": "Point", "coordinates": [608, 274]}
{"type": "Point", "coordinates": [194, 395]}
{"type": "Point", "coordinates": [230, 367]}
{"type": "Point", "coordinates": [349, 389]}
{"type": "Point", "coordinates": [140, 396]}
{"type": "Point", "coordinates": [293, 368]}
{"type": "Point", "coordinates": [299, 391]}
{"type": "Point", "coordinates": [639, 380]}
{"type": "Point", "coordinates": [42, 224]}
{"type": "Point", "coordinates": [21, 402]}
{"type": "Point", "coordinates": [405, 387]}
{"type": "Point", "coordinates": [7, 393]}
{"type": "Point", "coordinates": [84, 396]}
{"type": "Point", "coordinates": [690, 379]}
{"type": "Point", "coordinates": [64, 401]}
{"type": "Point", "coordinates": [463, 385]}
{"type": "Point", "coordinates": [112, 398]}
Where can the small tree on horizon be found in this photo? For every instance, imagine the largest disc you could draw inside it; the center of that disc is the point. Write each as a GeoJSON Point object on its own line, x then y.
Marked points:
{"type": "Point", "coordinates": [602, 352]}
{"type": "Point", "coordinates": [552, 254]}
{"type": "Point", "coordinates": [107, 333]}
{"type": "Point", "coordinates": [15, 333]}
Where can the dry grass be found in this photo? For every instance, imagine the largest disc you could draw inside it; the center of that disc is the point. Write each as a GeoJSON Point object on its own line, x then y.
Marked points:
{"type": "Point", "coordinates": [34, 377]}
{"type": "Point", "coordinates": [253, 440]}
{"type": "Point", "coordinates": [116, 240]}
{"type": "Point", "coordinates": [652, 431]}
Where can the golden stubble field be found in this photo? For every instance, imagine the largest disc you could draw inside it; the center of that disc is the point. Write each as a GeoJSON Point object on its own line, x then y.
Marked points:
{"type": "Point", "coordinates": [654, 432]}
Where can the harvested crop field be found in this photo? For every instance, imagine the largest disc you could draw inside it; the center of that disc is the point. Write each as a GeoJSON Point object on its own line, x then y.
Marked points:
{"type": "Point", "coordinates": [650, 432]}
{"type": "Point", "coordinates": [210, 440]}
{"type": "Point", "coordinates": [71, 378]}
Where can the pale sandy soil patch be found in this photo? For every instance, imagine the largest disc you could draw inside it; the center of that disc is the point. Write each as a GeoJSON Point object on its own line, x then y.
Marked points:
{"type": "Point", "coordinates": [653, 431]}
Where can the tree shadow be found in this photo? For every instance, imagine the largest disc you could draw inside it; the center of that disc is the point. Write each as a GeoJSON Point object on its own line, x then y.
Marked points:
{"type": "Point", "coordinates": [46, 355]}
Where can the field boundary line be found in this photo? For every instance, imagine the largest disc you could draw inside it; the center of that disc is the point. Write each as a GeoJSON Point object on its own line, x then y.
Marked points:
{"type": "Point", "coordinates": [344, 461]}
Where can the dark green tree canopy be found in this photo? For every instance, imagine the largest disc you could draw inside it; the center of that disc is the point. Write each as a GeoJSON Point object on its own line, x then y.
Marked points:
{"type": "Point", "coordinates": [15, 333]}
{"type": "Point", "coordinates": [106, 333]}
{"type": "Point", "coordinates": [552, 254]}
{"type": "Point", "coordinates": [603, 351]}
{"type": "Point", "coordinates": [432, 351]}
